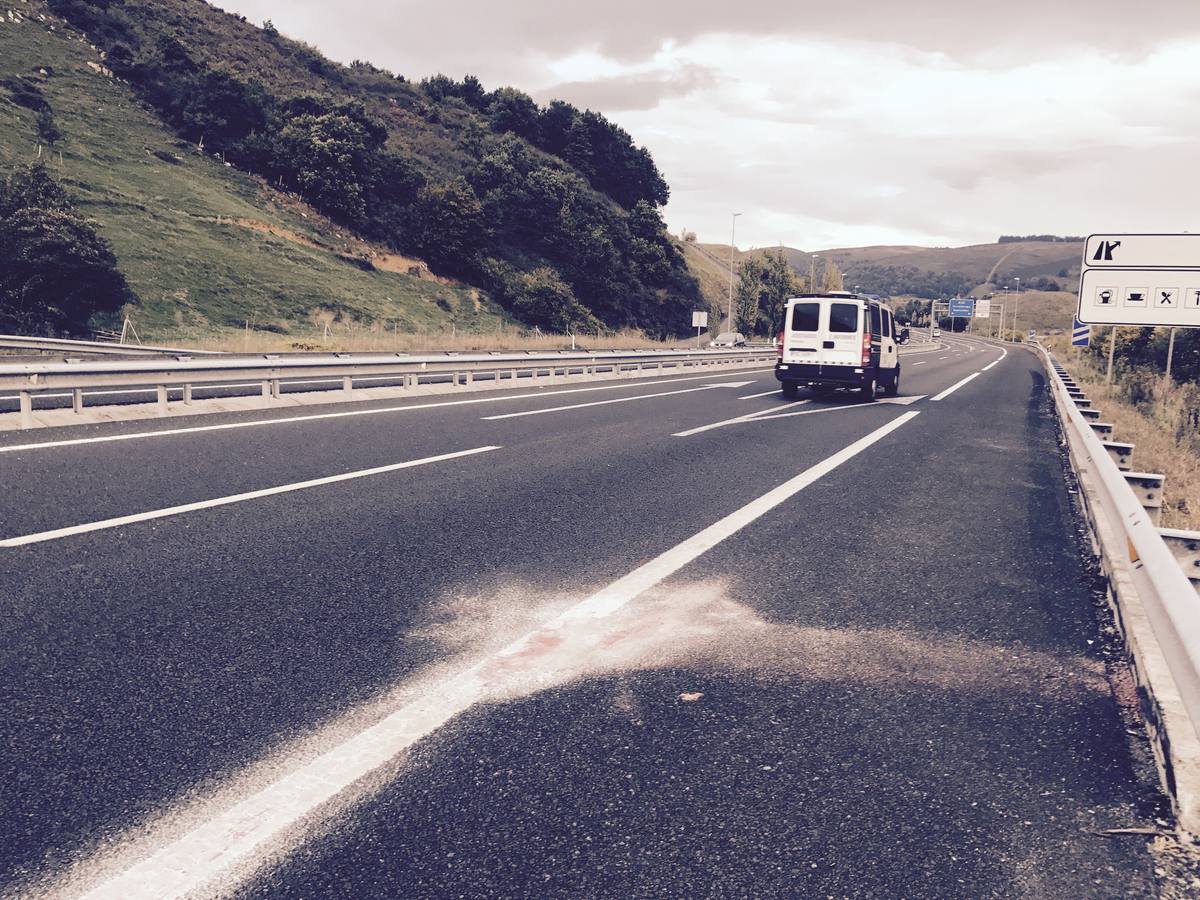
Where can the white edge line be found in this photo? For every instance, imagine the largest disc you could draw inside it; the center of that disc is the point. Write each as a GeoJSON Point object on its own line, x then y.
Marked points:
{"type": "Point", "coordinates": [56, 533]}
{"type": "Point", "coordinates": [954, 387]}
{"type": "Point", "coordinates": [285, 420]}
{"type": "Point", "coordinates": [224, 846]}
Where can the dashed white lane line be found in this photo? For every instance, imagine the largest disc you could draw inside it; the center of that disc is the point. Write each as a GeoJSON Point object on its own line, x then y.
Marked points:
{"type": "Point", "coordinates": [287, 420]}
{"type": "Point", "coordinates": [748, 417]}
{"type": "Point", "coordinates": [921, 363]}
{"type": "Point", "coordinates": [227, 848]}
{"type": "Point", "coordinates": [554, 409]}
{"type": "Point", "coordinates": [55, 534]}
{"type": "Point", "coordinates": [1003, 353]}
{"type": "Point", "coordinates": [763, 394]}
{"type": "Point", "coordinates": [954, 387]}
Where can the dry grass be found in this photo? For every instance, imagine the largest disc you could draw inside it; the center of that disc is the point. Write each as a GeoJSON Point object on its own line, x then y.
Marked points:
{"type": "Point", "coordinates": [1160, 418]}
{"type": "Point", "coordinates": [378, 338]}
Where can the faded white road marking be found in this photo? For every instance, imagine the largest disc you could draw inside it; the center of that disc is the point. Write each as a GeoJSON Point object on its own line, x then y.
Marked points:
{"type": "Point", "coordinates": [763, 394]}
{"type": "Point", "coordinates": [921, 363]}
{"type": "Point", "coordinates": [769, 414]}
{"type": "Point", "coordinates": [954, 387]}
{"type": "Point", "coordinates": [117, 522]}
{"type": "Point", "coordinates": [554, 409]}
{"type": "Point", "coordinates": [287, 420]}
{"type": "Point", "coordinates": [225, 850]}
{"type": "Point", "coordinates": [747, 417]}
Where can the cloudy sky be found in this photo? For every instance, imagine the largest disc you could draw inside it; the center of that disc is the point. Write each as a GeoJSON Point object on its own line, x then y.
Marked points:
{"type": "Point", "coordinates": [841, 123]}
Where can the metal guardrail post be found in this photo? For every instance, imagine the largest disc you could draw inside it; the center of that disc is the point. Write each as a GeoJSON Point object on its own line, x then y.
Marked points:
{"type": "Point", "coordinates": [161, 391]}
{"type": "Point", "coordinates": [26, 401]}
{"type": "Point", "coordinates": [77, 401]}
{"type": "Point", "coordinates": [187, 395]}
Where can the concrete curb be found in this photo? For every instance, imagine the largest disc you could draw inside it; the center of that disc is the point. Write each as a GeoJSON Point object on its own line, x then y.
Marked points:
{"type": "Point", "coordinates": [93, 415]}
{"type": "Point", "coordinates": [1171, 731]}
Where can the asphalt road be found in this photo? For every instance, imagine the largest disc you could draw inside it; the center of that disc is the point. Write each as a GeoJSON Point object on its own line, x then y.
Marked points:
{"type": "Point", "coordinates": [832, 649]}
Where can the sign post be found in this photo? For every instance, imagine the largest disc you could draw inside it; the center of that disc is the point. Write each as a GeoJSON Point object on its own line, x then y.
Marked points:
{"type": "Point", "coordinates": [699, 320]}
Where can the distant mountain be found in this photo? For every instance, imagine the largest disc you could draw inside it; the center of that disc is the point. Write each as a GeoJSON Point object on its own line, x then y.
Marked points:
{"type": "Point", "coordinates": [922, 271]}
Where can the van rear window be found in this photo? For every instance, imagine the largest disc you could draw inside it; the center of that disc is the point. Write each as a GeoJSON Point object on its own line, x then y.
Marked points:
{"type": "Point", "coordinates": [843, 317]}
{"type": "Point", "coordinates": [805, 316]}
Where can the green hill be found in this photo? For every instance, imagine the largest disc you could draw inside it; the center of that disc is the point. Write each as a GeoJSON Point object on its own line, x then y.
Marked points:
{"type": "Point", "coordinates": [241, 177]}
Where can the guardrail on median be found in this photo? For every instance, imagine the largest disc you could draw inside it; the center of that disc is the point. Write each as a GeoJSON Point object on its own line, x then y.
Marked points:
{"type": "Point", "coordinates": [1156, 605]}
{"type": "Point", "coordinates": [20, 342]}
{"type": "Point", "coordinates": [273, 371]}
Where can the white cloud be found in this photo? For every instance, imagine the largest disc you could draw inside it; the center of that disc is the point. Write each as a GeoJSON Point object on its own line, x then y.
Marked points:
{"type": "Point", "coordinates": [835, 124]}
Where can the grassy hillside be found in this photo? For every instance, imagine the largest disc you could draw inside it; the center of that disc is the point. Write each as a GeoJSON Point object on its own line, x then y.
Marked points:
{"type": "Point", "coordinates": [205, 247]}
{"type": "Point", "coordinates": [553, 211]}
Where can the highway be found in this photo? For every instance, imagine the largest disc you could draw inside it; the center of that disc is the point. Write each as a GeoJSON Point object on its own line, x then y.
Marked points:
{"type": "Point", "coordinates": [677, 636]}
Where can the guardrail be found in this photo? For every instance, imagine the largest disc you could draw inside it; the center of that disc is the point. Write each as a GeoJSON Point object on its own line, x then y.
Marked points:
{"type": "Point", "coordinates": [19, 342]}
{"type": "Point", "coordinates": [272, 371]}
{"type": "Point", "coordinates": [1150, 591]}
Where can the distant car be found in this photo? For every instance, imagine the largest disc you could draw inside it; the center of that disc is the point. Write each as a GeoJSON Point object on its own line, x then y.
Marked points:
{"type": "Point", "coordinates": [728, 339]}
{"type": "Point", "coordinates": [937, 332]}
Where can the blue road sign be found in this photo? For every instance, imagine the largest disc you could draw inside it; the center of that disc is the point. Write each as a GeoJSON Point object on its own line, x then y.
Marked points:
{"type": "Point", "coordinates": [1081, 335]}
{"type": "Point", "coordinates": [962, 308]}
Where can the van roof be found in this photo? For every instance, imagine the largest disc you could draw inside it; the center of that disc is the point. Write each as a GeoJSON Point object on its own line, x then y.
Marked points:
{"type": "Point", "coordinates": [837, 295]}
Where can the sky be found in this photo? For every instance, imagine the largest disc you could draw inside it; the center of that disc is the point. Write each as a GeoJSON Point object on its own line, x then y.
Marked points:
{"type": "Point", "coordinates": [846, 122]}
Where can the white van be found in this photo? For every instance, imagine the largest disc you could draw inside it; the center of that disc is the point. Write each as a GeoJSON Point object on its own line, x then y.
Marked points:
{"type": "Point", "coordinates": [838, 339]}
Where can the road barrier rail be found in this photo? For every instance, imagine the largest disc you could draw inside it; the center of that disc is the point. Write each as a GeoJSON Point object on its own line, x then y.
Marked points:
{"type": "Point", "coordinates": [1153, 579]}
{"type": "Point", "coordinates": [272, 371]}
{"type": "Point", "coordinates": [105, 348]}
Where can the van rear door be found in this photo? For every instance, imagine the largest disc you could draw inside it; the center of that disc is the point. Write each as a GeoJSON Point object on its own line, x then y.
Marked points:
{"type": "Point", "coordinates": [841, 338]}
{"type": "Point", "coordinates": [802, 333]}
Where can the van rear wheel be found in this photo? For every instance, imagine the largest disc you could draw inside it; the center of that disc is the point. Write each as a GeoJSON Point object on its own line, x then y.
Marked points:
{"type": "Point", "coordinates": [891, 386]}
{"type": "Point", "coordinates": [791, 390]}
{"type": "Point", "coordinates": [867, 391]}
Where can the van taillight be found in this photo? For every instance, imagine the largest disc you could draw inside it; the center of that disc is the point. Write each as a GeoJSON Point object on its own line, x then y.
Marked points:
{"type": "Point", "coordinates": [779, 345]}
{"type": "Point", "coordinates": [866, 354]}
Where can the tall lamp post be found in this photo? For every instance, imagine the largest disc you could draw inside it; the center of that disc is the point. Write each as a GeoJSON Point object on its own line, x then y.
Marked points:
{"type": "Point", "coordinates": [732, 247]}
{"type": "Point", "coordinates": [1016, 307]}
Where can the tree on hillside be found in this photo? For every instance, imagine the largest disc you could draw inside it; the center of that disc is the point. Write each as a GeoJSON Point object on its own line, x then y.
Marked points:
{"type": "Point", "coordinates": [451, 225]}
{"type": "Point", "coordinates": [831, 277]}
{"type": "Point", "coordinates": [57, 273]}
{"type": "Point", "coordinates": [764, 284]}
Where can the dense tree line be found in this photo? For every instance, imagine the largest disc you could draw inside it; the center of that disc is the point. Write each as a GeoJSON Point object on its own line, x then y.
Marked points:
{"type": "Point", "coordinates": [526, 220]}
{"type": "Point", "coordinates": [1039, 238]}
{"type": "Point", "coordinates": [58, 274]}
{"type": "Point", "coordinates": [1145, 349]}
{"type": "Point", "coordinates": [765, 282]}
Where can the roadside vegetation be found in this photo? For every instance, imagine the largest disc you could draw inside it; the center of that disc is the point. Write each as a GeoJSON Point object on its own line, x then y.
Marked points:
{"type": "Point", "coordinates": [58, 275]}
{"type": "Point", "coordinates": [1160, 416]}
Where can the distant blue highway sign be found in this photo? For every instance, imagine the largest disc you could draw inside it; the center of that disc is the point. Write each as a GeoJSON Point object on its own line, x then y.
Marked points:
{"type": "Point", "coordinates": [1081, 335]}
{"type": "Point", "coordinates": [962, 308]}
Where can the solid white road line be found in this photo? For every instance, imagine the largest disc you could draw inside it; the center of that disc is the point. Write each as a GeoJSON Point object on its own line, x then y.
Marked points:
{"type": "Point", "coordinates": [225, 849]}
{"type": "Point", "coordinates": [1003, 353]}
{"type": "Point", "coordinates": [117, 522]}
{"type": "Point", "coordinates": [954, 387]}
{"type": "Point", "coordinates": [763, 394]}
{"type": "Point", "coordinates": [287, 420]}
{"type": "Point", "coordinates": [921, 363]}
{"type": "Point", "coordinates": [554, 409]}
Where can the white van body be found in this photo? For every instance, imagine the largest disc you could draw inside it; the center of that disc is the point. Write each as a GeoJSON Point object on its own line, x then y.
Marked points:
{"type": "Point", "coordinates": [838, 339]}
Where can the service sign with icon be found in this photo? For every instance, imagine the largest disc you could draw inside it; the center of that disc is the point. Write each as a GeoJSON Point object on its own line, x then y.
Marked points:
{"type": "Point", "coordinates": [1140, 279]}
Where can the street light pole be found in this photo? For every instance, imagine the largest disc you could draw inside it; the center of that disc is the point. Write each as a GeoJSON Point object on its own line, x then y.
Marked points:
{"type": "Point", "coordinates": [732, 247]}
{"type": "Point", "coordinates": [1016, 309]}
